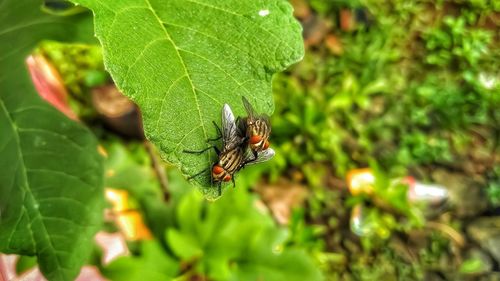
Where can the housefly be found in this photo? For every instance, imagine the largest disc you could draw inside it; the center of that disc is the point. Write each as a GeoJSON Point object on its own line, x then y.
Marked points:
{"type": "Point", "coordinates": [231, 157]}
{"type": "Point", "coordinates": [257, 129]}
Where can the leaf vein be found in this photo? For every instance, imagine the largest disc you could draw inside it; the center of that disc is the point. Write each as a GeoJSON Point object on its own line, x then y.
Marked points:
{"type": "Point", "coordinates": [228, 75]}
{"type": "Point", "coordinates": [148, 45]}
{"type": "Point", "coordinates": [28, 191]}
{"type": "Point", "coordinates": [212, 37]}
{"type": "Point", "coordinates": [185, 136]}
{"type": "Point", "coordinates": [75, 144]}
{"type": "Point", "coordinates": [184, 66]}
{"type": "Point", "coordinates": [59, 173]}
{"type": "Point", "coordinates": [242, 16]}
{"type": "Point", "coordinates": [164, 97]}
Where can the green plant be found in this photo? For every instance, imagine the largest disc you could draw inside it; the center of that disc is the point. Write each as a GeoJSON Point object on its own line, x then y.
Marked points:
{"type": "Point", "coordinates": [414, 88]}
{"type": "Point", "coordinates": [379, 101]}
{"type": "Point", "coordinates": [186, 59]}
{"type": "Point", "coordinates": [209, 237]}
{"type": "Point", "coordinates": [457, 43]}
{"type": "Point", "coordinates": [493, 188]}
{"type": "Point", "coordinates": [201, 238]}
{"type": "Point", "coordinates": [51, 184]}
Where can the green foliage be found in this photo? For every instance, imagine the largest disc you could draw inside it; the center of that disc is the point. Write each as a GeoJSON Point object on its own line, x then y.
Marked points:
{"type": "Point", "coordinates": [436, 248]}
{"type": "Point", "coordinates": [209, 237]}
{"type": "Point", "coordinates": [387, 266]}
{"type": "Point", "coordinates": [380, 100]}
{"type": "Point", "coordinates": [151, 263]}
{"type": "Point", "coordinates": [473, 265]}
{"type": "Point", "coordinates": [51, 180]}
{"type": "Point", "coordinates": [81, 67]}
{"type": "Point", "coordinates": [204, 238]}
{"type": "Point", "coordinates": [129, 168]}
{"type": "Point", "coordinates": [415, 85]}
{"type": "Point", "coordinates": [457, 43]}
{"type": "Point", "coordinates": [187, 58]}
{"type": "Point", "coordinates": [493, 188]}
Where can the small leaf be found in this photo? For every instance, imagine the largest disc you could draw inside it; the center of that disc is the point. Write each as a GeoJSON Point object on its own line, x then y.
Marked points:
{"type": "Point", "coordinates": [473, 265]}
{"type": "Point", "coordinates": [51, 195]}
{"type": "Point", "coordinates": [291, 265]}
{"type": "Point", "coordinates": [181, 60]}
{"type": "Point", "coordinates": [183, 245]}
{"type": "Point", "coordinates": [188, 212]}
{"type": "Point", "coordinates": [153, 264]}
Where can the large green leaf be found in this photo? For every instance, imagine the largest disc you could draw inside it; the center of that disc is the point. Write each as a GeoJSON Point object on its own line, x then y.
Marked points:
{"type": "Point", "coordinates": [51, 174]}
{"type": "Point", "coordinates": [181, 60]}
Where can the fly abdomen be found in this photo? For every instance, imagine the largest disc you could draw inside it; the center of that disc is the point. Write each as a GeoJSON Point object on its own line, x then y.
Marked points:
{"type": "Point", "coordinates": [231, 160]}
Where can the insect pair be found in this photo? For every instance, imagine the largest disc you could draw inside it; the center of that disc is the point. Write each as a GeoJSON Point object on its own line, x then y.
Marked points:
{"type": "Point", "coordinates": [245, 141]}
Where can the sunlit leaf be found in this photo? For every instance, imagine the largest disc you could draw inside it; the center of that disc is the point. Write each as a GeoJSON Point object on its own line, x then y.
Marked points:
{"type": "Point", "coordinates": [181, 60]}
{"type": "Point", "coordinates": [51, 179]}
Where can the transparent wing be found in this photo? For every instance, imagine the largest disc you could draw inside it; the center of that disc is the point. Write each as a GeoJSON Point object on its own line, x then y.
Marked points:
{"type": "Point", "coordinates": [262, 156]}
{"type": "Point", "coordinates": [248, 108]}
{"type": "Point", "coordinates": [230, 136]}
{"type": "Point", "coordinates": [252, 115]}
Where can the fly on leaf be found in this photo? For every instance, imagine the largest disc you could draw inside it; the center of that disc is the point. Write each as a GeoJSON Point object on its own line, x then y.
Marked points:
{"type": "Point", "coordinates": [236, 151]}
{"type": "Point", "coordinates": [231, 157]}
{"type": "Point", "coordinates": [256, 128]}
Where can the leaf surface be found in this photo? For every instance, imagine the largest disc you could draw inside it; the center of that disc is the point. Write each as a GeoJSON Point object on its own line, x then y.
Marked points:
{"type": "Point", "coordinates": [51, 174]}
{"type": "Point", "coordinates": [181, 60]}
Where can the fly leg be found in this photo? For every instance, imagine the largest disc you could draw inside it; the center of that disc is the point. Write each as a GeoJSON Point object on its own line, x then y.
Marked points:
{"type": "Point", "coordinates": [218, 131]}
{"type": "Point", "coordinates": [219, 189]}
{"type": "Point", "coordinates": [234, 184]}
{"type": "Point", "coordinates": [203, 150]}
{"type": "Point", "coordinates": [208, 140]}
{"type": "Point", "coordinates": [255, 155]}
{"type": "Point", "coordinates": [197, 174]}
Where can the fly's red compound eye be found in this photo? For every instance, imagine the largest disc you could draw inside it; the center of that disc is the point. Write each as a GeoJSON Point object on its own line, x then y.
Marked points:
{"type": "Point", "coordinates": [266, 145]}
{"type": "Point", "coordinates": [217, 170]}
{"type": "Point", "coordinates": [255, 139]}
{"type": "Point", "coordinates": [227, 178]}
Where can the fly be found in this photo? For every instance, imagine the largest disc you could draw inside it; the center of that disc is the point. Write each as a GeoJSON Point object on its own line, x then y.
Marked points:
{"type": "Point", "coordinates": [231, 157]}
{"type": "Point", "coordinates": [257, 129]}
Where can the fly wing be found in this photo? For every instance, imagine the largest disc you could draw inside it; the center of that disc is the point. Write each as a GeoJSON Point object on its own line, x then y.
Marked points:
{"type": "Point", "coordinates": [262, 156]}
{"type": "Point", "coordinates": [248, 108]}
{"type": "Point", "coordinates": [230, 136]}
{"type": "Point", "coordinates": [252, 115]}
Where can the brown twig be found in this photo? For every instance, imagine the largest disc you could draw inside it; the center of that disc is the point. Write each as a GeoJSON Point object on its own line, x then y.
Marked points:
{"type": "Point", "coordinates": [159, 169]}
{"type": "Point", "coordinates": [448, 230]}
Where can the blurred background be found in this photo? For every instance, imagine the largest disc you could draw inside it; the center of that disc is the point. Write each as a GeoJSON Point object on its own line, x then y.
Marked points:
{"type": "Point", "coordinates": [387, 162]}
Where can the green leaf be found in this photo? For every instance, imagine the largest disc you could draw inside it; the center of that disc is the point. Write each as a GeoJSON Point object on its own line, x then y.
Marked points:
{"type": "Point", "coordinates": [290, 265]}
{"type": "Point", "coordinates": [212, 241]}
{"type": "Point", "coordinates": [188, 212]}
{"type": "Point", "coordinates": [51, 180]}
{"type": "Point", "coordinates": [131, 169]}
{"type": "Point", "coordinates": [470, 266]}
{"type": "Point", "coordinates": [25, 263]}
{"type": "Point", "coordinates": [153, 265]}
{"type": "Point", "coordinates": [183, 245]}
{"type": "Point", "coordinates": [181, 60]}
